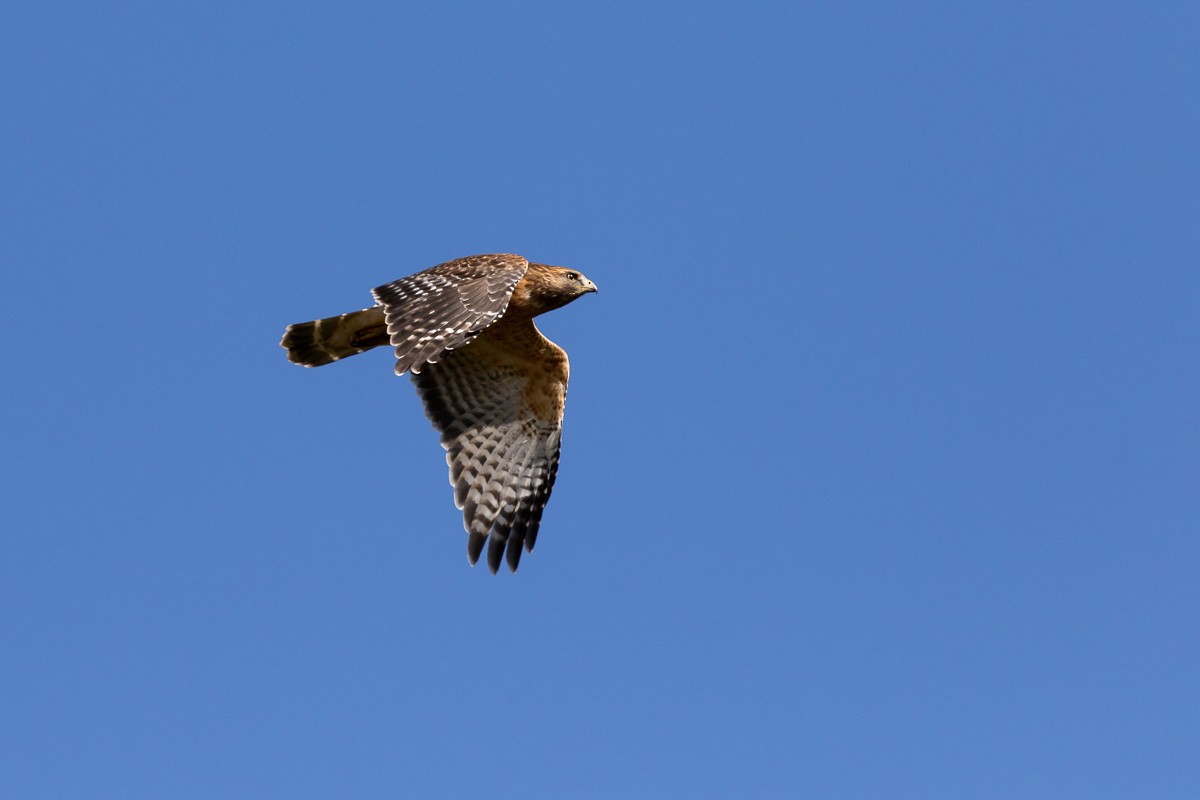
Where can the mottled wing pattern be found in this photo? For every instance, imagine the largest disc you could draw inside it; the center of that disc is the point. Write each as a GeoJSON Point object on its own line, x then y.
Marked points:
{"type": "Point", "coordinates": [445, 307]}
{"type": "Point", "coordinates": [502, 448]}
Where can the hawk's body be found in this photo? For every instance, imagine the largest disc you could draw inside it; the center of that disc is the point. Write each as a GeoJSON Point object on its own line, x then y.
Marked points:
{"type": "Point", "coordinates": [491, 383]}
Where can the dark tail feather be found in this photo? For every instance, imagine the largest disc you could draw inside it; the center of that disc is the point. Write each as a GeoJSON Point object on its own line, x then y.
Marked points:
{"type": "Point", "coordinates": [312, 344]}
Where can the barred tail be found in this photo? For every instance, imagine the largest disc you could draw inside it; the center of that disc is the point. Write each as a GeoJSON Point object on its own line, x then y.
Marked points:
{"type": "Point", "coordinates": [324, 341]}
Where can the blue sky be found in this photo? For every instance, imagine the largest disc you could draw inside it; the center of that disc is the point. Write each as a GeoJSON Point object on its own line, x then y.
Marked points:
{"type": "Point", "coordinates": [880, 460]}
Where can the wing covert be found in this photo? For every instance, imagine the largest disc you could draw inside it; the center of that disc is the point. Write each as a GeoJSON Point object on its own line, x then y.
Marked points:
{"type": "Point", "coordinates": [445, 307]}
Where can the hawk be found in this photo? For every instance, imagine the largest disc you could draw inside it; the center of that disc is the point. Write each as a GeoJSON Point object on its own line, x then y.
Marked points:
{"type": "Point", "coordinates": [491, 383]}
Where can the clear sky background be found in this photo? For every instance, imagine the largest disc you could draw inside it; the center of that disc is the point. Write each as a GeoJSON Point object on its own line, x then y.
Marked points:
{"type": "Point", "coordinates": [881, 458]}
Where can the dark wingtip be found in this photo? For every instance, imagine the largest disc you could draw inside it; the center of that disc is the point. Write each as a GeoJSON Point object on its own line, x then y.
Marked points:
{"type": "Point", "coordinates": [495, 553]}
{"type": "Point", "coordinates": [513, 554]}
{"type": "Point", "coordinates": [475, 546]}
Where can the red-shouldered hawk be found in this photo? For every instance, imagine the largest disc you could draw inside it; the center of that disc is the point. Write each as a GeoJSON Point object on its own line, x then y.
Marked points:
{"type": "Point", "coordinates": [491, 383]}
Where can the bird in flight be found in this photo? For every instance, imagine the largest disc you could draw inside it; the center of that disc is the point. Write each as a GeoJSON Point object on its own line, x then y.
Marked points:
{"type": "Point", "coordinates": [492, 384]}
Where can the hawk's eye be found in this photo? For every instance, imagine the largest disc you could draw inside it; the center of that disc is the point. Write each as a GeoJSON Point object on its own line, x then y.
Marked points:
{"type": "Point", "coordinates": [573, 276]}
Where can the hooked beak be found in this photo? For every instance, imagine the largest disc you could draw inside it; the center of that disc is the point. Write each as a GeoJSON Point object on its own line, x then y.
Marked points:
{"type": "Point", "coordinates": [588, 286]}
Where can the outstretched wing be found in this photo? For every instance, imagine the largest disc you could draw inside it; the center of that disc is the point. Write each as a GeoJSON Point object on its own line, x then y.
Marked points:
{"type": "Point", "coordinates": [445, 307]}
{"type": "Point", "coordinates": [498, 403]}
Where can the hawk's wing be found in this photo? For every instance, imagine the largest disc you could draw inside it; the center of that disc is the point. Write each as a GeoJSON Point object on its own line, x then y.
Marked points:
{"type": "Point", "coordinates": [446, 306]}
{"type": "Point", "coordinates": [498, 404]}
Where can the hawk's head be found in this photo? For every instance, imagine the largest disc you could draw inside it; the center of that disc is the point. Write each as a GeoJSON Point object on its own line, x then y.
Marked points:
{"type": "Point", "coordinates": [575, 283]}
{"type": "Point", "coordinates": [554, 287]}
